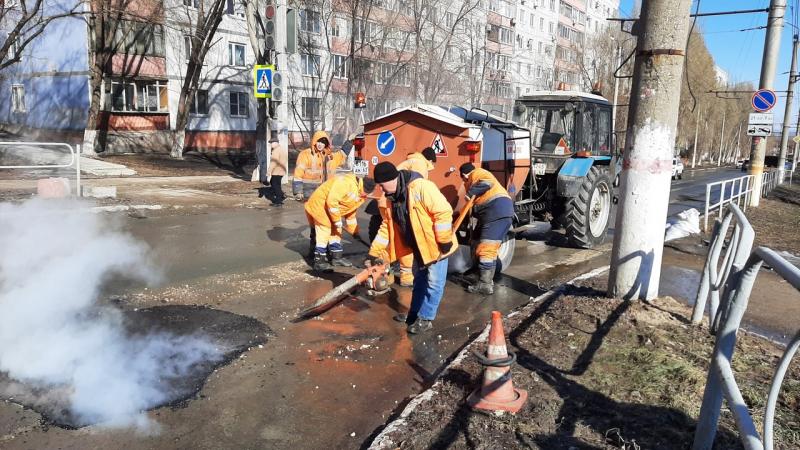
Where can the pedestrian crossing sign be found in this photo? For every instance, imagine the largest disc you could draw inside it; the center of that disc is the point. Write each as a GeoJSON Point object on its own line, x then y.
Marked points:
{"type": "Point", "coordinates": [438, 146]}
{"type": "Point", "coordinates": [262, 81]}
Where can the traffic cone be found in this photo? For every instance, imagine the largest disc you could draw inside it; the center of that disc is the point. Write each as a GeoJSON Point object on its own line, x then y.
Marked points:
{"type": "Point", "coordinates": [497, 392]}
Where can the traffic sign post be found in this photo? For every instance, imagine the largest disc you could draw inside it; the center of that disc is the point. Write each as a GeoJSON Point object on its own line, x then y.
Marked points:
{"type": "Point", "coordinates": [764, 100]}
{"type": "Point", "coordinates": [262, 81]}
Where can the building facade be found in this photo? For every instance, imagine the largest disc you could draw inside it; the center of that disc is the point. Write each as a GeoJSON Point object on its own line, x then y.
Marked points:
{"type": "Point", "coordinates": [471, 53]}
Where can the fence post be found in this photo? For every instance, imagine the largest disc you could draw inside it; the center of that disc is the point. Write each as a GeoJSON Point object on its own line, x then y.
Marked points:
{"type": "Point", "coordinates": [78, 171]}
{"type": "Point", "coordinates": [708, 199]}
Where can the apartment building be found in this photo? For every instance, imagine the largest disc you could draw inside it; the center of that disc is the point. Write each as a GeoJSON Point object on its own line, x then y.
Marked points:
{"type": "Point", "coordinates": [535, 43]}
{"type": "Point", "coordinates": [144, 51]}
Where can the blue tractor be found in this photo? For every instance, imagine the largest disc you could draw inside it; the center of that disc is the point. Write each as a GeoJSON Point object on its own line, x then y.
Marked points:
{"type": "Point", "coordinates": [571, 181]}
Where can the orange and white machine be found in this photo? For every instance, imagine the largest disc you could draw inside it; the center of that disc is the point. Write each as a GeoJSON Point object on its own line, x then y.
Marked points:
{"type": "Point", "coordinates": [458, 136]}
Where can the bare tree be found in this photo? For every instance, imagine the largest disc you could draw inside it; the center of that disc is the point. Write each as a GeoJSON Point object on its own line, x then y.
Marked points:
{"type": "Point", "coordinates": [203, 26]}
{"type": "Point", "coordinates": [24, 20]}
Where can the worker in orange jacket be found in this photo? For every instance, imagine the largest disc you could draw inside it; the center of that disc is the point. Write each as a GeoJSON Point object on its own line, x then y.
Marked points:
{"type": "Point", "coordinates": [422, 163]}
{"type": "Point", "coordinates": [315, 165]}
{"type": "Point", "coordinates": [331, 209]}
{"type": "Point", "coordinates": [418, 221]}
{"type": "Point", "coordinates": [494, 209]}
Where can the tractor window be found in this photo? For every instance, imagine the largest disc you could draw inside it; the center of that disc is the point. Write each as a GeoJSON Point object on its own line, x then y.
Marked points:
{"type": "Point", "coordinates": [604, 132]}
{"type": "Point", "coordinates": [588, 129]}
{"type": "Point", "coordinates": [548, 126]}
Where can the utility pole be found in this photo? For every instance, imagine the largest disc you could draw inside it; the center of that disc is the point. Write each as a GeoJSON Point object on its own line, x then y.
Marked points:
{"type": "Point", "coordinates": [645, 178]}
{"type": "Point", "coordinates": [616, 89]}
{"type": "Point", "coordinates": [696, 129]}
{"type": "Point", "coordinates": [721, 139]}
{"type": "Point", "coordinates": [769, 61]}
{"type": "Point", "coordinates": [787, 114]}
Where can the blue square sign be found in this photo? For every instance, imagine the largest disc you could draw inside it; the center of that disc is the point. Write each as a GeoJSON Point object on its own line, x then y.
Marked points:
{"type": "Point", "coordinates": [262, 81]}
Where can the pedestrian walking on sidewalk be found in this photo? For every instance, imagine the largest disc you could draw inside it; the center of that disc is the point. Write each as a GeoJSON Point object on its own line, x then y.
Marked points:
{"type": "Point", "coordinates": [278, 166]}
{"type": "Point", "coordinates": [332, 208]}
{"type": "Point", "coordinates": [494, 209]}
{"type": "Point", "coordinates": [418, 220]}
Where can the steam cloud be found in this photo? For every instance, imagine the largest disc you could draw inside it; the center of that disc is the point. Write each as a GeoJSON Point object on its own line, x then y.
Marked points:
{"type": "Point", "coordinates": [54, 258]}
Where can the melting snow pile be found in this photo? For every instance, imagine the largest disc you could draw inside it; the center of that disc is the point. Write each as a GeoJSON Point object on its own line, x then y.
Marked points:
{"type": "Point", "coordinates": [683, 224]}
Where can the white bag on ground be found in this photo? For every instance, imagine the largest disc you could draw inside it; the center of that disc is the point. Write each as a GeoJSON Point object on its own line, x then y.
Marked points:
{"type": "Point", "coordinates": [254, 176]}
{"type": "Point", "coordinates": [683, 224]}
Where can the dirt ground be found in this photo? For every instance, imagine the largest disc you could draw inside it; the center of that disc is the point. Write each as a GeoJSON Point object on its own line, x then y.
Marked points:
{"type": "Point", "coordinates": [193, 163]}
{"type": "Point", "coordinates": [602, 373]}
{"type": "Point", "coordinates": [777, 214]}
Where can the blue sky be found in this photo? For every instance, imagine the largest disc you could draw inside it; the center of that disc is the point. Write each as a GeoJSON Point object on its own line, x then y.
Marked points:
{"type": "Point", "coordinates": [739, 52]}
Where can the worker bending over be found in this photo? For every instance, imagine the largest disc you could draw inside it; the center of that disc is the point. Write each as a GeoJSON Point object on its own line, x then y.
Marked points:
{"type": "Point", "coordinates": [417, 221]}
{"type": "Point", "coordinates": [315, 165]}
{"type": "Point", "coordinates": [331, 208]}
{"type": "Point", "coordinates": [494, 210]}
{"type": "Point", "coordinates": [422, 163]}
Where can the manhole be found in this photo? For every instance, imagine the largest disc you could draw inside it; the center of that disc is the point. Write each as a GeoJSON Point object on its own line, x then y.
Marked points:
{"type": "Point", "coordinates": [228, 334]}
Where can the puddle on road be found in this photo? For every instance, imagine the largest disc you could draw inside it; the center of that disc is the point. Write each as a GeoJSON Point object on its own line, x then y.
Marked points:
{"type": "Point", "coordinates": [231, 334]}
{"type": "Point", "coordinates": [679, 283]}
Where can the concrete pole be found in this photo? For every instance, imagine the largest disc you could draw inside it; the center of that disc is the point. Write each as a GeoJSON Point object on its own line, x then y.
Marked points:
{"type": "Point", "coordinates": [696, 129]}
{"type": "Point", "coordinates": [787, 113]}
{"type": "Point", "coordinates": [721, 139]}
{"type": "Point", "coordinates": [647, 167]}
{"type": "Point", "coordinates": [769, 61]}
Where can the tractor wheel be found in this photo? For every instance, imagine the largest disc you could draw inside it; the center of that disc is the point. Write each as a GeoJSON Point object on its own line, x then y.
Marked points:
{"type": "Point", "coordinates": [506, 251]}
{"type": "Point", "coordinates": [374, 225]}
{"type": "Point", "coordinates": [588, 213]}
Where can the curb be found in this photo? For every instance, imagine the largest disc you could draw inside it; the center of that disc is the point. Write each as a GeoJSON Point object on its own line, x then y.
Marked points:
{"type": "Point", "coordinates": [383, 441]}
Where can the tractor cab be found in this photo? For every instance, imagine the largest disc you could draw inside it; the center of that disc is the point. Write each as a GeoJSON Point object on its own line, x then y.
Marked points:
{"type": "Point", "coordinates": [565, 124]}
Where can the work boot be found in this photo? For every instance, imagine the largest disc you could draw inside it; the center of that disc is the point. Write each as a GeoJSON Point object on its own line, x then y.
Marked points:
{"type": "Point", "coordinates": [420, 326]}
{"type": "Point", "coordinates": [402, 317]}
{"type": "Point", "coordinates": [321, 263]}
{"type": "Point", "coordinates": [337, 259]}
{"type": "Point", "coordinates": [485, 284]}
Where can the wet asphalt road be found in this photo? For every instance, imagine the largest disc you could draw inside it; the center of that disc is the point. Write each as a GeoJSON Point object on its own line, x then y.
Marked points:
{"type": "Point", "coordinates": [324, 379]}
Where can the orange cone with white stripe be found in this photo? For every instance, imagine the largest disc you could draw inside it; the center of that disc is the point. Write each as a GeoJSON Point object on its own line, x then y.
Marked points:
{"type": "Point", "coordinates": [498, 392]}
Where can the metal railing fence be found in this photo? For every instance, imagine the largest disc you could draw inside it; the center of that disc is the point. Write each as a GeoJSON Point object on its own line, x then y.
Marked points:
{"type": "Point", "coordinates": [733, 190]}
{"type": "Point", "coordinates": [74, 155]}
{"type": "Point", "coordinates": [737, 244]}
{"type": "Point", "coordinates": [721, 382]}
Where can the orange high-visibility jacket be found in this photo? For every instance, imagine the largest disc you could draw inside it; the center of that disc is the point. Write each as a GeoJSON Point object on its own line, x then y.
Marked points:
{"type": "Point", "coordinates": [416, 163]}
{"type": "Point", "coordinates": [431, 219]}
{"type": "Point", "coordinates": [486, 189]}
{"type": "Point", "coordinates": [336, 200]}
{"type": "Point", "coordinates": [314, 166]}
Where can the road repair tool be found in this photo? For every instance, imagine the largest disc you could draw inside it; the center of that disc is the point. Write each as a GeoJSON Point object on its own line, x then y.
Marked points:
{"type": "Point", "coordinates": [374, 276]}
{"type": "Point", "coordinates": [497, 392]}
{"type": "Point", "coordinates": [464, 213]}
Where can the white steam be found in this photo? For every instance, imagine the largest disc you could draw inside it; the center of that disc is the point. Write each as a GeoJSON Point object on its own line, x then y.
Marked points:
{"type": "Point", "coordinates": [54, 258]}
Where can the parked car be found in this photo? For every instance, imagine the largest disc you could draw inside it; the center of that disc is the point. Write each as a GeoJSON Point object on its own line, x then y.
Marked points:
{"type": "Point", "coordinates": [745, 165]}
{"type": "Point", "coordinates": [677, 168]}
{"type": "Point", "coordinates": [740, 163]}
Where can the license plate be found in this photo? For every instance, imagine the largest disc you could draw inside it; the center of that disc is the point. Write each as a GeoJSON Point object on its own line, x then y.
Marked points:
{"type": "Point", "coordinates": [539, 168]}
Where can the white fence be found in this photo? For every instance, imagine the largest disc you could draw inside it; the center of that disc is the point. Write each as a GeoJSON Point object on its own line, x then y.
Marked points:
{"type": "Point", "coordinates": [74, 159]}
{"type": "Point", "coordinates": [735, 190]}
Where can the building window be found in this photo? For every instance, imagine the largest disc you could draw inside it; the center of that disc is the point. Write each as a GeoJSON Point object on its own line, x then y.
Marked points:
{"type": "Point", "coordinates": [137, 96]}
{"type": "Point", "coordinates": [199, 104]}
{"type": "Point", "coordinates": [230, 7]}
{"type": "Point", "coordinates": [236, 54]}
{"type": "Point", "coordinates": [541, 24]}
{"type": "Point", "coordinates": [529, 69]}
{"type": "Point", "coordinates": [551, 27]}
{"type": "Point", "coordinates": [500, 34]}
{"type": "Point", "coordinates": [540, 47]}
{"type": "Point", "coordinates": [336, 27]}
{"type": "Point", "coordinates": [18, 98]}
{"type": "Point", "coordinates": [309, 21]}
{"type": "Point", "coordinates": [310, 65]}
{"type": "Point", "coordinates": [187, 46]}
{"type": "Point", "coordinates": [311, 107]}
{"type": "Point", "coordinates": [339, 66]}
{"type": "Point", "coordinates": [13, 51]}
{"type": "Point", "coordinates": [136, 38]}
{"type": "Point", "coordinates": [191, 3]}
{"type": "Point", "coordinates": [238, 102]}
{"type": "Point", "coordinates": [533, 20]}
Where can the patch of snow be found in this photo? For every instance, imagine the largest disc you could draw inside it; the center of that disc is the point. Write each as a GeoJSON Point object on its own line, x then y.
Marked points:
{"type": "Point", "coordinates": [685, 223]}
